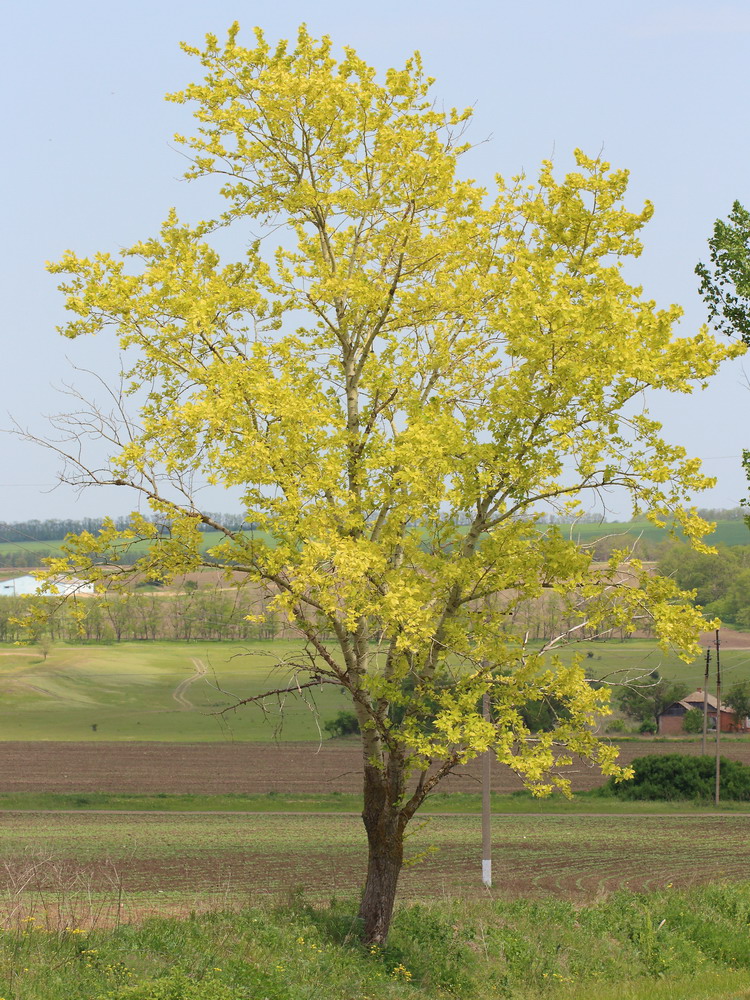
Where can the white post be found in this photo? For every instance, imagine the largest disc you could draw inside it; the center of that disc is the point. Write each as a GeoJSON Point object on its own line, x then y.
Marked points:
{"type": "Point", "coordinates": [486, 827]}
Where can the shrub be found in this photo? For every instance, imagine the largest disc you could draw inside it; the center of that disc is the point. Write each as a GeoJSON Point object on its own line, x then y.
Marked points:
{"type": "Point", "coordinates": [678, 776]}
{"type": "Point", "coordinates": [617, 726]}
{"type": "Point", "coordinates": [693, 721]}
{"type": "Point", "coordinates": [345, 724]}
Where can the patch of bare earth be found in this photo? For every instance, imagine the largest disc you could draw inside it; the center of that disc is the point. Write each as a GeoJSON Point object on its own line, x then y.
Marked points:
{"type": "Point", "coordinates": [728, 639]}
{"type": "Point", "coordinates": [247, 768]}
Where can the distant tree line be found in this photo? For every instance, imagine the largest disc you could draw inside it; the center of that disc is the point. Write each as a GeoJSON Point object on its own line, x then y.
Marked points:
{"type": "Point", "coordinates": [723, 514]}
{"type": "Point", "coordinates": [53, 530]}
{"type": "Point", "coordinates": [583, 518]}
{"type": "Point", "coordinates": [721, 581]}
{"type": "Point", "coordinates": [205, 615]}
{"type": "Point", "coordinates": [592, 517]}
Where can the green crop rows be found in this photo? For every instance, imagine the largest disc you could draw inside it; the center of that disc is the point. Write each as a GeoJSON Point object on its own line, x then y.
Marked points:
{"type": "Point", "coordinates": [182, 857]}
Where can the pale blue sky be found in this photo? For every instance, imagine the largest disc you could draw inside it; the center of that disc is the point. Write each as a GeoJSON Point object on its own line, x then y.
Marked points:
{"type": "Point", "coordinates": [661, 88]}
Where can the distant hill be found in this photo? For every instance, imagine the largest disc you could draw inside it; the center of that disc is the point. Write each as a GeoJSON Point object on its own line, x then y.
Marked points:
{"type": "Point", "coordinates": [726, 533]}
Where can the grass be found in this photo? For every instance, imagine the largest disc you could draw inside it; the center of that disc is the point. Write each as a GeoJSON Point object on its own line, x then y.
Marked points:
{"type": "Point", "coordinates": [128, 691]}
{"type": "Point", "coordinates": [585, 803]}
{"type": "Point", "coordinates": [615, 660]}
{"type": "Point", "coordinates": [726, 532]}
{"type": "Point", "coordinates": [36, 550]}
{"type": "Point", "coordinates": [692, 945]}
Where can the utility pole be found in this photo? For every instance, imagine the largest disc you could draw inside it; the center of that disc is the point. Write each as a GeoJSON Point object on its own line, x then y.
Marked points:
{"type": "Point", "coordinates": [718, 721]}
{"type": "Point", "coordinates": [486, 825]}
{"type": "Point", "coordinates": [705, 701]}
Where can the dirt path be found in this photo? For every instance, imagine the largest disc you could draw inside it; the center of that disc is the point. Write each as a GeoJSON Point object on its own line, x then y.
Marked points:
{"type": "Point", "coordinates": [179, 692]}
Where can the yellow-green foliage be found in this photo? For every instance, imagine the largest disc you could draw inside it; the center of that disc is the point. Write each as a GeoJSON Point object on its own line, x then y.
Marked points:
{"type": "Point", "coordinates": [396, 378]}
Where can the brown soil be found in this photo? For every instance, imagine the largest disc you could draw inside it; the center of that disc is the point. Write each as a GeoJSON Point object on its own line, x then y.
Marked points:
{"type": "Point", "coordinates": [728, 639]}
{"type": "Point", "coordinates": [243, 768]}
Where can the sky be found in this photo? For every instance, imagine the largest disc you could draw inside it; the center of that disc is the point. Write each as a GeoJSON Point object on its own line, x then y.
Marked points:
{"type": "Point", "coordinates": [656, 87]}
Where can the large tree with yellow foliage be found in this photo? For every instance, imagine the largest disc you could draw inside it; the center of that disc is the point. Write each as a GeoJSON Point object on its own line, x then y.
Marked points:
{"type": "Point", "coordinates": [400, 370]}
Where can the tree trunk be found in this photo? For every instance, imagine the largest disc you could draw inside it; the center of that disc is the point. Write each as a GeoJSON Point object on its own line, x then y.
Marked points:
{"type": "Point", "coordinates": [385, 825]}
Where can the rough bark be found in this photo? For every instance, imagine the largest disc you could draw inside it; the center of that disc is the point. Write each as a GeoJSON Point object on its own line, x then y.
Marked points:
{"type": "Point", "coordinates": [385, 823]}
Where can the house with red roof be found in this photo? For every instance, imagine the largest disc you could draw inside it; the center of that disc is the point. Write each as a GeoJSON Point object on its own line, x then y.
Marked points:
{"type": "Point", "coordinates": [671, 720]}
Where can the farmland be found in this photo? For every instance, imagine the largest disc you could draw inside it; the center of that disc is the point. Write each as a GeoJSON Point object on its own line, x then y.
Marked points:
{"type": "Point", "coordinates": [175, 692]}
{"type": "Point", "coordinates": [153, 691]}
{"type": "Point", "coordinates": [31, 553]}
{"type": "Point", "coordinates": [183, 859]}
{"type": "Point", "coordinates": [244, 768]}
{"type": "Point", "coordinates": [131, 726]}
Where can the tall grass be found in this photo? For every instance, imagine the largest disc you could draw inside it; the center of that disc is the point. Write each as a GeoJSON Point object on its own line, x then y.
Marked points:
{"type": "Point", "coordinates": [690, 944]}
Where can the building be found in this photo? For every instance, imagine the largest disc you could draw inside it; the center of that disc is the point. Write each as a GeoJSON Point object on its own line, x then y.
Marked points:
{"type": "Point", "coordinates": [671, 720]}
{"type": "Point", "coordinates": [28, 586]}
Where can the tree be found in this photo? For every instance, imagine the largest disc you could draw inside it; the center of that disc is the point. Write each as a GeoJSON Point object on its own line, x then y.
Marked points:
{"type": "Point", "coordinates": [345, 724]}
{"type": "Point", "coordinates": [738, 699]}
{"type": "Point", "coordinates": [734, 604]}
{"type": "Point", "coordinates": [719, 580]}
{"type": "Point", "coordinates": [677, 776]}
{"type": "Point", "coordinates": [398, 373]}
{"type": "Point", "coordinates": [693, 721]}
{"type": "Point", "coordinates": [725, 283]}
{"type": "Point", "coordinates": [646, 699]}
{"type": "Point", "coordinates": [708, 574]}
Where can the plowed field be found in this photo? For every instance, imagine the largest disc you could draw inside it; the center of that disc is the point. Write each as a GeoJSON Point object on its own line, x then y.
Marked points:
{"type": "Point", "coordinates": [243, 768]}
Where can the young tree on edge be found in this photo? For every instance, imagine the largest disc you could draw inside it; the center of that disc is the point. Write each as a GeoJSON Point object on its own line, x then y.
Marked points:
{"type": "Point", "coordinates": [398, 373]}
{"type": "Point", "coordinates": [725, 283]}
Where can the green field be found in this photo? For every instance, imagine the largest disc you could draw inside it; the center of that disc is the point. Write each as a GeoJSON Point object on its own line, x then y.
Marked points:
{"type": "Point", "coordinates": [158, 690]}
{"type": "Point", "coordinates": [154, 691]}
{"type": "Point", "coordinates": [249, 856]}
{"type": "Point", "coordinates": [726, 533]}
{"type": "Point", "coordinates": [614, 661]}
{"type": "Point", "coordinates": [37, 550]}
